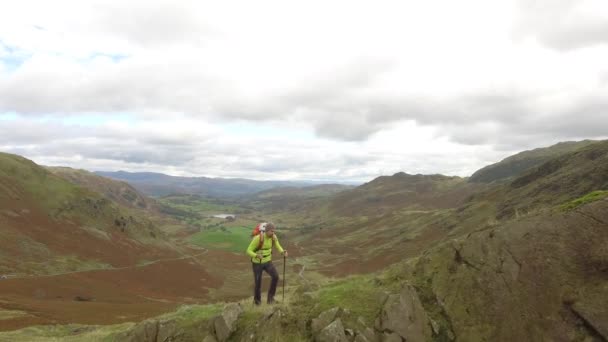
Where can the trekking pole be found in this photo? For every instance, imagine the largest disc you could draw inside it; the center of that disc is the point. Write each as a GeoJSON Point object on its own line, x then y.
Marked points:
{"type": "Point", "coordinates": [284, 261]}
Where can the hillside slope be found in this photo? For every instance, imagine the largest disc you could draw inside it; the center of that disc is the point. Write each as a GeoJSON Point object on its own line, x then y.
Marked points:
{"type": "Point", "coordinates": [117, 191]}
{"type": "Point", "coordinates": [401, 190]}
{"type": "Point", "coordinates": [516, 164]}
{"type": "Point", "coordinates": [542, 277]}
{"type": "Point", "coordinates": [50, 225]}
{"type": "Point", "coordinates": [69, 254]}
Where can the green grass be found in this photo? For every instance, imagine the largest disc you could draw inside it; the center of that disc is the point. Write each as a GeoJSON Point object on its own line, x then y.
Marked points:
{"type": "Point", "coordinates": [69, 332]}
{"type": "Point", "coordinates": [187, 315]}
{"type": "Point", "coordinates": [196, 205]}
{"type": "Point", "coordinates": [358, 294]}
{"type": "Point", "coordinates": [187, 318]}
{"type": "Point", "coordinates": [232, 239]}
{"type": "Point", "coordinates": [588, 198]}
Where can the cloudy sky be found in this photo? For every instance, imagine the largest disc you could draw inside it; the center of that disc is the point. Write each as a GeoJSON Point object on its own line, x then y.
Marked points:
{"type": "Point", "coordinates": [324, 90]}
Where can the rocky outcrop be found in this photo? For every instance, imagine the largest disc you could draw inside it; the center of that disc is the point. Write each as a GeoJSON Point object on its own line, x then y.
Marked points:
{"type": "Point", "coordinates": [334, 332]}
{"type": "Point", "coordinates": [594, 315]}
{"type": "Point", "coordinates": [152, 331]}
{"type": "Point", "coordinates": [145, 331]}
{"type": "Point", "coordinates": [325, 319]}
{"type": "Point", "coordinates": [404, 315]}
{"type": "Point", "coordinates": [225, 324]}
{"type": "Point", "coordinates": [535, 278]}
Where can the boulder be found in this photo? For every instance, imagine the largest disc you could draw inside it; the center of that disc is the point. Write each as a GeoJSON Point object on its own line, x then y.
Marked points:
{"type": "Point", "coordinates": [325, 318]}
{"type": "Point", "coordinates": [145, 331]}
{"type": "Point", "coordinates": [167, 331]}
{"type": "Point", "coordinates": [209, 338]}
{"type": "Point", "coordinates": [594, 316]}
{"type": "Point", "coordinates": [350, 334]}
{"type": "Point", "coordinates": [225, 324]}
{"type": "Point", "coordinates": [361, 338]}
{"type": "Point", "coordinates": [404, 315]}
{"type": "Point", "coordinates": [370, 335]}
{"type": "Point", "coordinates": [391, 337]}
{"type": "Point", "coordinates": [332, 333]}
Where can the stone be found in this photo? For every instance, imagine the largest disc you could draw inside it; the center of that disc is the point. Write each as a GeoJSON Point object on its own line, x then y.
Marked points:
{"type": "Point", "coordinates": [209, 338]}
{"type": "Point", "coordinates": [166, 331]}
{"type": "Point", "coordinates": [225, 324]}
{"type": "Point", "coordinates": [434, 326]}
{"type": "Point", "coordinates": [404, 315]}
{"type": "Point", "coordinates": [594, 315]}
{"type": "Point", "coordinates": [361, 338]}
{"type": "Point", "coordinates": [324, 319]}
{"type": "Point", "coordinates": [391, 337]}
{"type": "Point", "coordinates": [334, 332]}
{"type": "Point", "coordinates": [350, 334]}
{"type": "Point", "coordinates": [370, 335]}
{"type": "Point", "coordinates": [145, 331]}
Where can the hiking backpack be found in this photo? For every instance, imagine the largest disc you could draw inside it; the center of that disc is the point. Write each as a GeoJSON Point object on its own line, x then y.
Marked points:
{"type": "Point", "coordinates": [261, 227]}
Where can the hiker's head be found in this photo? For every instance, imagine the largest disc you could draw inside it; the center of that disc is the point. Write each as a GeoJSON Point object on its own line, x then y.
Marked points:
{"type": "Point", "coordinates": [269, 229]}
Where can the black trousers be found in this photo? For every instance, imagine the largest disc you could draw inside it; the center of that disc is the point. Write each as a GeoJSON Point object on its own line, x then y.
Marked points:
{"type": "Point", "coordinates": [257, 278]}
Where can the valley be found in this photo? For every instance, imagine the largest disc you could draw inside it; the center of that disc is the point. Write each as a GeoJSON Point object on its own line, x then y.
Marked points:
{"type": "Point", "coordinates": [517, 252]}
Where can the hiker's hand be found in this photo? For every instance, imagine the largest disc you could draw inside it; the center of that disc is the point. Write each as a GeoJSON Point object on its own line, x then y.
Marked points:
{"type": "Point", "coordinates": [259, 256]}
{"type": "Point", "coordinates": [285, 253]}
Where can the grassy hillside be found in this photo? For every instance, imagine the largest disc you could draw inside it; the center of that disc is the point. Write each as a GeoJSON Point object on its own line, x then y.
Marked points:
{"type": "Point", "coordinates": [517, 164]}
{"type": "Point", "coordinates": [117, 191]}
{"type": "Point", "coordinates": [417, 192]}
{"type": "Point", "coordinates": [49, 225]}
{"type": "Point", "coordinates": [524, 259]}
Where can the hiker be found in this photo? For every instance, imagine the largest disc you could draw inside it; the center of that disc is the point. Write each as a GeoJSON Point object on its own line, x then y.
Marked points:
{"type": "Point", "coordinates": [260, 251]}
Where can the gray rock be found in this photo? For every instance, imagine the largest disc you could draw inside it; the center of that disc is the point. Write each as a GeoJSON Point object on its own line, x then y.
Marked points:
{"type": "Point", "coordinates": [145, 331]}
{"type": "Point", "coordinates": [350, 334]}
{"type": "Point", "coordinates": [167, 331]}
{"type": "Point", "coordinates": [209, 338]}
{"type": "Point", "coordinates": [434, 326]}
{"type": "Point", "coordinates": [391, 337]}
{"type": "Point", "coordinates": [332, 333]}
{"type": "Point", "coordinates": [404, 315]}
{"type": "Point", "coordinates": [324, 319]}
{"type": "Point", "coordinates": [361, 338]}
{"type": "Point", "coordinates": [225, 324]}
{"type": "Point", "coordinates": [594, 315]}
{"type": "Point", "coordinates": [370, 335]}
{"type": "Point", "coordinates": [361, 321]}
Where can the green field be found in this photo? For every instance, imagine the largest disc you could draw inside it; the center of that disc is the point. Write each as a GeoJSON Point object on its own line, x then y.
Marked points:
{"type": "Point", "coordinates": [232, 239]}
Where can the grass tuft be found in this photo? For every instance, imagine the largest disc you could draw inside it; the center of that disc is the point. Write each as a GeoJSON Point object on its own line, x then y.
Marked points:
{"type": "Point", "coordinates": [588, 198]}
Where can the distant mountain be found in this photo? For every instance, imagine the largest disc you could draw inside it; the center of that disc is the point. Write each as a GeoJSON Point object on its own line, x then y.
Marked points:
{"type": "Point", "coordinates": [294, 198]}
{"type": "Point", "coordinates": [517, 164]}
{"type": "Point", "coordinates": [158, 184]}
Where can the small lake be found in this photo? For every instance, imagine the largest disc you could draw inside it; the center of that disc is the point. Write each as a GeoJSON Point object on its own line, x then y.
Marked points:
{"type": "Point", "coordinates": [224, 216]}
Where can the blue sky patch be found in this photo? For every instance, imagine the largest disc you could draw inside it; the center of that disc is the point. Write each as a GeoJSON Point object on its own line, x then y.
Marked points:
{"type": "Point", "coordinates": [12, 57]}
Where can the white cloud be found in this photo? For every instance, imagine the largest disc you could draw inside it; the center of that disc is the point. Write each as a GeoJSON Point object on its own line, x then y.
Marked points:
{"type": "Point", "coordinates": [354, 76]}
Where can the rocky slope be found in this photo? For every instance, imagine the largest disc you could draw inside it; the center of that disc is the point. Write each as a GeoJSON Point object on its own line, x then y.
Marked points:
{"type": "Point", "coordinates": [525, 259]}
